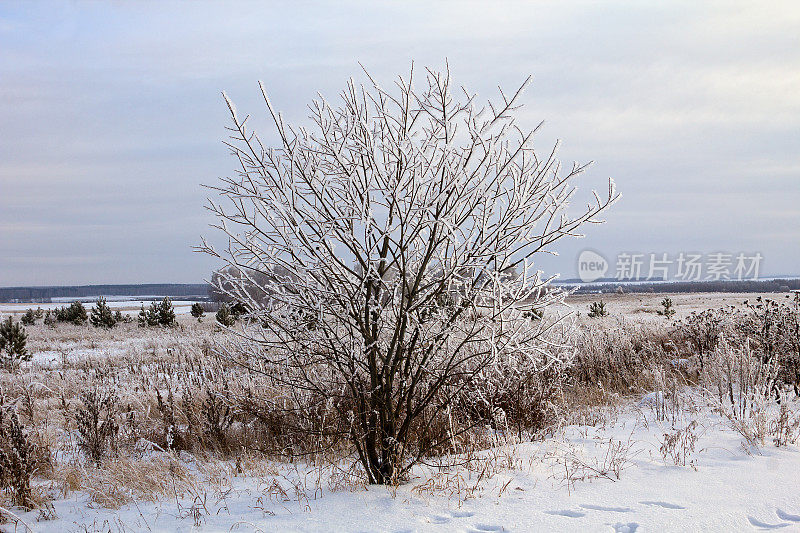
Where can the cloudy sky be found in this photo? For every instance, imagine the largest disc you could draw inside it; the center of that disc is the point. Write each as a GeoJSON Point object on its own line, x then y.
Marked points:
{"type": "Point", "coordinates": [111, 116]}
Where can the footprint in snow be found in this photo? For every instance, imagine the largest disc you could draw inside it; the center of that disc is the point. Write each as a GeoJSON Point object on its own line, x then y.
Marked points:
{"type": "Point", "coordinates": [484, 528]}
{"type": "Point", "coordinates": [603, 508]}
{"type": "Point", "coordinates": [567, 512]}
{"type": "Point", "coordinates": [445, 518]}
{"type": "Point", "coordinates": [630, 527]}
{"type": "Point", "coordinates": [783, 515]}
{"type": "Point", "coordinates": [665, 505]}
{"type": "Point", "coordinates": [763, 525]}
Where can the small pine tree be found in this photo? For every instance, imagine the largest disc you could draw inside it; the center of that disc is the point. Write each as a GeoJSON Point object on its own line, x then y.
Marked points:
{"type": "Point", "coordinates": [198, 311]}
{"type": "Point", "coordinates": [102, 316]}
{"type": "Point", "coordinates": [29, 318]}
{"type": "Point", "coordinates": [50, 319]}
{"type": "Point", "coordinates": [158, 314]}
{"type": "Point", "coordinates": [534, 314]}
{"type": "Point", "coordinates": [238, 309]}
{"type": "Point", "coordinates": [148, 317]}
{"type": "Point", "coordinates": [166, 313]}
{"type": "Point", "coordinates": [668, 310]}
{"type": "Point", "coordinates": [17, 465]}
{"type": "Point", "coordinates": [119, 318]}
{"type": "Point", "coordinates": [75, 313]}
{"type": "Point", "coordinates": [13, 340]}
{"type": "Point", "coordinates": [39, 312]}
{"type": "Point", "coordinates": [225, 317]}
{"type": "Point", "coordinates": [78, 313]}
{"type": "Point", "coordinates": [597, 309]}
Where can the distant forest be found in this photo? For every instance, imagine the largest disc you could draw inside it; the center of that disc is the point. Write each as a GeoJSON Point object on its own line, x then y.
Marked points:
{"type": "Point", "coordinates": [772, 285]}
{"type": "Point", "coordinates": [203, 291]}
{"type": "Point", "coordinates": [194, 291]}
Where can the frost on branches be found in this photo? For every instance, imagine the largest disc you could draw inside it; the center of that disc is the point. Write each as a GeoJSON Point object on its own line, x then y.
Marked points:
{"type": "Point", "coordinates": [385, 257]}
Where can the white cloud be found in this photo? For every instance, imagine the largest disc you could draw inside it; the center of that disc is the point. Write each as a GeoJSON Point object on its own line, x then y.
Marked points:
{"type": "Point", "coordinates": [693, 107]}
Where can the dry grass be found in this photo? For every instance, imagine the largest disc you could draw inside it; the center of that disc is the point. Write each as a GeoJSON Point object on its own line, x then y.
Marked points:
{"type": "Point", "coordinates": [123, 480]}
{"type": "Point", "coordinates": [191, 422]}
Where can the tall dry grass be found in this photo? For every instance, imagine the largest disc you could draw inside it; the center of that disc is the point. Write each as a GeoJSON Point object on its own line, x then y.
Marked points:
{"type": "Point", "coordinates": [177, 403]}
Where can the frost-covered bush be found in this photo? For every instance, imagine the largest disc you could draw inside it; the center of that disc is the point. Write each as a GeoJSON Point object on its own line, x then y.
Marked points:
{"type": "Point", "coordinates": [216, 419]}
{"type": "Point", "coordinates": [703, 331]}
{"type": "Point", "coordinates": [386, 259]}
{"type": "Point", "coordinates": [173, 437]}
{"type": "Point", "coordinates": [769, 329]}
{"type": "Point", "coordinates": [521, 394]}
{"type": "Point", "coordinates": [744, 386]}
{"type": "Point", "coordinates": [773, 330]}
{"type": "Point", "coordinates": [96, 423]}
{"type": "Point", "coordinates": [623, 357]}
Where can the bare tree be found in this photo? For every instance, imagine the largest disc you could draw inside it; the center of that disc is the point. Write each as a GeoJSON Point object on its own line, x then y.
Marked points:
{"type": "Point", "coordinates": [392, 246]}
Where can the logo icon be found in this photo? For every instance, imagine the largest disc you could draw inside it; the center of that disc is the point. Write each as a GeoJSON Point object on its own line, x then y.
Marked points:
{"type": "Point", "coordinates": [591, 266]}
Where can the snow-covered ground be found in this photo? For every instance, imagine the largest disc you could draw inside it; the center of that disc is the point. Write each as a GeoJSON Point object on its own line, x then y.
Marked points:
{"type": "Point", "coordinates": [610, 477]}
{"type": "Point", "coordinates": [638, 464]}
{"type": "Point", "coordinates": [645, 307]}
